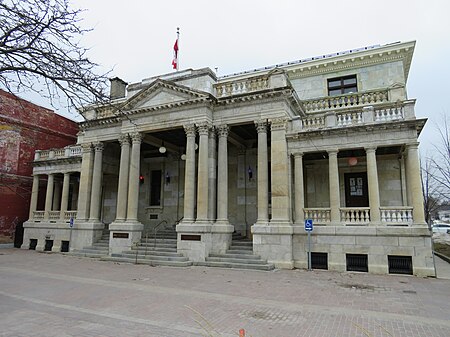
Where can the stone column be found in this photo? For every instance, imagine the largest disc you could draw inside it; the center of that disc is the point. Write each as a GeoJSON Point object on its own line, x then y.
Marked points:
{"type": "Point", "coordinates": [97, 175]}
{"type": "Point", "coordinates": [57, 196]}
{"type": "Point", "coordinates": [212, 171]}
{"type": "Point", "coordinates": [122, 191]}
{"type": "Point", "coordinates": [202, 185]}
{"type": "Point", "coordinates": [133, 181]}
{"type": "Point", "coordinates": [262, 173]}
{"type": "Point", "coordinates": [333, 171]}
{"type": "Point", "coordinates": [34, 195]}
{"type": "Point", "coordinates": [65, 195]}
{"type": "Point", "coordinates": [222, 186]}
{"type": "Point", "coordinates": [49, 196]}
{"type": "Point", "coordinates": [374, 191]}
{"type": "Point", "coordinates": [280, 172]}
{"type": "Point", "coordinates": [299, 189]}
{"type": "Point", "coordinates": [84, 193]}
{"type": "Point", "coordinates": [189, 175]}
{"type": "Point", "coordinates": [413, 182]}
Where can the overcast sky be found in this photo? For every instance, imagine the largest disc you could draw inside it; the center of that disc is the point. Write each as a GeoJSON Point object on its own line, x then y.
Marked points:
{"type": "Point", "coordinates": [136, 37]}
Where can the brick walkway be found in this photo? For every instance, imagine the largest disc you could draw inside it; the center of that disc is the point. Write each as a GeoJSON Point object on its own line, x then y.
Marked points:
{"type": "Point", "coordinates": [56, 295]}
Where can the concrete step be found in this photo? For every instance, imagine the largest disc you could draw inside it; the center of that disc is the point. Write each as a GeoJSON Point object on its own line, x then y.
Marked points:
{"type": "Point", "coordinates": [154, 257]}
{"type": "Point", "coordinates": [159, 245]}
{"type": "Point", "coordinates": [148, 261]}
{"type": "Point", "coordinates": [236, 265]}
{"type": "Point", "coordinates": [93, 250]}
{"type": "Point", "coordinates": [227, 259]}
{"type": "Point", "coordinates": [96, 248]}
{"type": "Point", "coordinates": [239, 251]}
{"type": "Point", "coordinates": [242, 243]}
{"type": "Point", "coordinates": [88, 254]}
{"type": "Point", "coordinates": [159, 249]}
{"type": "Point", "coordinates": [101, 244]}
{"type": "Point", "coordinates": [172, 252]}
{"type": "Point", "coordinates": [159, 240]}
{"type": "Point", "coordinates": [237, 256]}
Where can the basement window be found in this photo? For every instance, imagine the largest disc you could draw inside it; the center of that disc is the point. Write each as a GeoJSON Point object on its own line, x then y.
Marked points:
{"type": "Point", "coordinates": [319, 260]}
{"type": "Point", "coordinates": [48, 245]}
{"type": "Point", "coordinates": [33, 244]}
{"type": "Point", "coordinates": [400, 264]}
{"type": "Point", "coordinates": [342, 85]}
{"type": "Point", "coordinates": [357, 262]}
{"type": "Point", "coordinates": [64, 246]}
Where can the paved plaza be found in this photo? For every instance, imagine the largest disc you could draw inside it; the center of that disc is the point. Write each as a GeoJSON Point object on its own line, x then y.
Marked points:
{"type": "Point", "coordinates": [45, 294]}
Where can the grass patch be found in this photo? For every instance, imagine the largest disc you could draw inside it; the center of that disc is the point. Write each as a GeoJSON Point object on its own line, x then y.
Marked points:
{"type": "Point", "coordinates": [442, 248]}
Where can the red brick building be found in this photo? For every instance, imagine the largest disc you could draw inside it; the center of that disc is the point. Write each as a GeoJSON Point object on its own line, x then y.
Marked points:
{"type": "Point", "coordinates": [24, 128]}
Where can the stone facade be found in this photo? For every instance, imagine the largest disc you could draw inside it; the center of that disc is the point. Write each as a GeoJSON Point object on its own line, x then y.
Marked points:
{"type": "Point", "coordinates": [332, 139]}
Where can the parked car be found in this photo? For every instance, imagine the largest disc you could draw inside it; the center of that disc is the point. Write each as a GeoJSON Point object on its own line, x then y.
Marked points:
{"type": "Point", "coordinates": [440, 228]}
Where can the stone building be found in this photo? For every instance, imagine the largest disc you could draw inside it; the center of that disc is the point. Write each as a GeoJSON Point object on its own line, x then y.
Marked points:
{"type": "Point", "coordinates": [24, 128]}
{"type": "Point", "coordinates": [330, 138]}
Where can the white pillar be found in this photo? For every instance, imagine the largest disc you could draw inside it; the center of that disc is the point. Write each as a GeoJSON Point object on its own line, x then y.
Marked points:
{"type": "Point", "coordinates": [372, 181]}
{"type": "Point", "coordinates": [49, 195]}
{"type": "Point", "coordinates": [222, 187]}
{"type": "Point", "coordinates": [280, 172]}
{"type": "Point", "coordinates": [34, 195]}
{"type": "Point", "coordinates": [262, 173]}
{"type": "Point", "coordinates": [189, 175]}
{"type": "Point", "coordinates": [212, 171]}
{"type": "Point", "coordinates": [299, 189]}
{"type": "Point", "coordinates": [333, 171]}
{"type": "Point", "coordinates": [133, 182]}
{"type": "Point", "coordinates": [84, 193]}
{"type": "Point", "coordinates": [65, 195]}
{"type": "Point", "coordinates": [97, 176]}
{"type": "Point", "coordinates": [413, 182]}
{"type": "Point", "coordinates": [202, 185]}
{"type": "Point", "coordinates": [122, 191]}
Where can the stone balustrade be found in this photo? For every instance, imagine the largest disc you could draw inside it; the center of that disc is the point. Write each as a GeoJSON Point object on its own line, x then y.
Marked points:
{"type": "Point", "coordinates": [242, 86]}
{"type": "Point", "coordinates": [320, 216]}
{"type": "Point", "coordinates": [397, 215]}
{"type": "Point", "coordinates": [351, 100]}
{"type": "Point", "coordinates": [70, 215]}
{"type": "Point", "coordinates": [355, 215]}
{"type": "Point", "coordinates": [69, 151]}
{"type": "Point", "coordinates": [313, 122]}
{"type": "Point", "coordinates": [349, 118]}
{"type": "Point", "coordinates": [389, 114]}
{"type": "Point", "coordinates": [38, 215]}
{"type": "Point", "coordinates": [53, 215]}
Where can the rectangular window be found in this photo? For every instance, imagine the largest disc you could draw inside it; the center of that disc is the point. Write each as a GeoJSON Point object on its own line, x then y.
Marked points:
{"type": "Point", "coordinates": [342, 85]}
{"type": "Point", "coordinates": [155, 187]}
{"type": "Point", "coordinates": [319, 260]}
{"type": "Point", "coordinates": [400, 264]}
{"type": "Point", "coordinates": [357, 262]}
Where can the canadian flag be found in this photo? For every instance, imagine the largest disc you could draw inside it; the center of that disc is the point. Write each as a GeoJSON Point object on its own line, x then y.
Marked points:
{"type": "Point", "coordinates": [175, 55]}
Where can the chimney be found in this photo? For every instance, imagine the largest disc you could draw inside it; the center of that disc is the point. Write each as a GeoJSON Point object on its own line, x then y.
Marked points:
{"type": "Point", "coordinates": [118, 88]}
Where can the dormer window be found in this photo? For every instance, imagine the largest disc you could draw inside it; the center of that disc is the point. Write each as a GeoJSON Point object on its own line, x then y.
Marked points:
{"type": "Point", "coordinates": [342, 85]}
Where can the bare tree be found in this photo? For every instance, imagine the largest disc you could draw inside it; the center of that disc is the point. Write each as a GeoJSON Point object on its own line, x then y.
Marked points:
{"type": "Point", "coordinates": [435, 171]}
{"type": "Point", "coordinates": [40, 50]}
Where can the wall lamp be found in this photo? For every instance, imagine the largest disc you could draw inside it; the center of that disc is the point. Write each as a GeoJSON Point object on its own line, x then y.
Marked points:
{"type": "Point", "coordinates": [250, 173]}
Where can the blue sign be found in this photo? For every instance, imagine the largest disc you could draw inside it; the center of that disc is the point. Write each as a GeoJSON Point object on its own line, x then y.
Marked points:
{"type": "Point", "coordinates": [308, 225]}
{"type": "Point", "coordinates": [71, 223]}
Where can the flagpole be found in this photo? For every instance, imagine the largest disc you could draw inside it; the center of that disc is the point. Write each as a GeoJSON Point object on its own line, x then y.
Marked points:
{"type": "Point", "coordinates": [178, 54]}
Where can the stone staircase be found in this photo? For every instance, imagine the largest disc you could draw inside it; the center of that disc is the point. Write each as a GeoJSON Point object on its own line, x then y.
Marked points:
{"type": "Point", "coordinates": [98, 249]}
{"type": "Point", "coordinates": [155, 251]}
{"type": "Point", "coordinates": [240, 256]}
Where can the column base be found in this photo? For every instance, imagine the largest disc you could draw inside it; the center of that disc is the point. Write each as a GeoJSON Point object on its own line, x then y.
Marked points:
{"type": "Point", "coordinates": [194, 240]}
{"type": "Point", "coordinates": [123, 235]}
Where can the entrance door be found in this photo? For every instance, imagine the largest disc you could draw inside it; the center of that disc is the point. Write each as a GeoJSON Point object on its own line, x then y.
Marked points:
{"type": "Point", "coordinates": [356, 190]}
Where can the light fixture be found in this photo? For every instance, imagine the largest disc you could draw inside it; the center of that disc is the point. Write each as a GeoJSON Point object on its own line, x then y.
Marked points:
{"type": "Point", "coordinates": [352, 161]}
{"type": "Point", "coordinates": [196, 146]}
{"type": "Point", "coordinates": [250, 173]}
{"type": "Point", "coordinates": [162, 148]}
{"type": "Point", "coordinates": [167, 178]}
{"type": "Point", "coordinates": [183, 157]}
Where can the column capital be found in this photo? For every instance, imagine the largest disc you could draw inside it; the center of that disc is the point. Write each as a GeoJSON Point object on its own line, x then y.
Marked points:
{"type": "Point", "coordinates": [99, 146]}
{"type": "Point", "coordinates": [261, 126]}
{"type": "Point", "coordinates": [212, 132]}
{"type": "Point", "coordinates": [190, 130]}
{"type": "Point", "coordinates": [370, 149]}
{"type": "Point", "coordinates": [223, 130]}
{"type": "Point", "coordinates": [86, 147]}
{"type": "Point", "coordinates": [277, 124]}
{"type": "Point", "coordinates": [332, 151]}
{"type": "Point", "coordinates": [298, 154]}
{"type": "Point", "coordinates": [124, 139]}
{"type": "Point", "coordinates": [414, 145]}
{"type": "Point", "coordinates": [203, 128]}
{"type": "Point", "coordinates": [136, 137]}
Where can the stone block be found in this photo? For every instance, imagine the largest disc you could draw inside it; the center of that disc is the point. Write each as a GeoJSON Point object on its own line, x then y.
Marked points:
{"type": "Point", "coordinates": [377, 240]}
{"type": "Point", "coordinates": [412, 241]}
{"type": "Point", "coordinates": [336, 240]}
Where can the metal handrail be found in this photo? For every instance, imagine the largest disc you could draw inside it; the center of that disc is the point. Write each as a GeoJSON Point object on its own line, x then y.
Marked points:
{"type": "Point", "coordinates": [155, 230]}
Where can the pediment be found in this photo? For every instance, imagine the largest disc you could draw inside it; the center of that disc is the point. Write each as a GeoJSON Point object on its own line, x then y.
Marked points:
{"type": "Point", "coordinates": [162, 92]}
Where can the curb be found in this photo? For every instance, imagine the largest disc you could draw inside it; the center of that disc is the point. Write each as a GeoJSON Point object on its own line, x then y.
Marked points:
{"type": "Point", "coordinates": [442, 256]}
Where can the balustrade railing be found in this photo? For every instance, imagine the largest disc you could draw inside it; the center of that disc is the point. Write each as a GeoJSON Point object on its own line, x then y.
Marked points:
{"type": "Point", "coordinates": [355, 215]}
{"type": "Point", "coordinates": [313, 122]}
{"type": "Point", "coordinates": [320, 216]}
{"type": "Point", "coordinates": [397, 215]}
{"type": "Point", "coordinates": [38, 215]}
{"type": "Point", "coordinates": [242, 86]}
{"type": "Point", "coordinates": [349, 118]}
{"type": "Point", "coordinates": [54, 215]}
{"type": "Point", "coordinates": [71, 151]}
{"type": "Point", "coordinates": [345, 101]}
{"type": "Point", "coordinates": [70, 215]}
{"type": "Point", "coordinates": [389, 114]}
